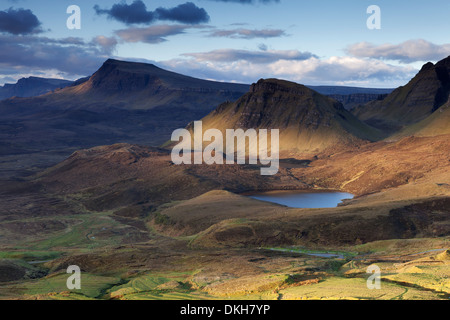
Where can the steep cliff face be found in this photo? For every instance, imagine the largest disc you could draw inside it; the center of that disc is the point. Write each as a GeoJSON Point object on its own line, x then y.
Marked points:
{"type": "Point", "coordinates": [112, 79]}
{"type": "Point", "coordinates": [308, 121]}
{"type": "Point", "coordinates": [351, 101]}
{"type": "Point", "coordinates": [422, 96]}
{"type": "Point", "coordinates": [32, 86]}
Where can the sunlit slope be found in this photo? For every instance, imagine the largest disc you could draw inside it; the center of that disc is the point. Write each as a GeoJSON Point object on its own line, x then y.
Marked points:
{"type": "Point", "coordinates": [436, 124]}
{"type": "Point", "coordinates": [308, 121]}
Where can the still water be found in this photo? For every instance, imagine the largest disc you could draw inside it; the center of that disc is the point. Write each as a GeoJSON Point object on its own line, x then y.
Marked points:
{"type": "Point", "coordinates": [303, 199]}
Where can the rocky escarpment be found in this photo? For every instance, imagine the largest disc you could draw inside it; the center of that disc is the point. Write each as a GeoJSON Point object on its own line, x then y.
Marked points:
{"type": "Point", "coordinates": [32, 86]}
{"type": "Point", "coordinates": [423, 95]}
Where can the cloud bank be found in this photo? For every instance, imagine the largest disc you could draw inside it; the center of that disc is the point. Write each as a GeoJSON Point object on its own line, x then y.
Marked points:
{"type": "Point", "coordinates": [303, 67]}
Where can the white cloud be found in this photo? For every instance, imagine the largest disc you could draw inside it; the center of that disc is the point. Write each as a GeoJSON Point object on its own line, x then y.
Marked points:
{"type": "Point", "coordinates": [406, 52]}
{"type": "Point", "coordinates": [217, 65]}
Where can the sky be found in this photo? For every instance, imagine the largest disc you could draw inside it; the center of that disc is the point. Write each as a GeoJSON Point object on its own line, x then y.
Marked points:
{"type": "Point", "coordinates": [323, 42]}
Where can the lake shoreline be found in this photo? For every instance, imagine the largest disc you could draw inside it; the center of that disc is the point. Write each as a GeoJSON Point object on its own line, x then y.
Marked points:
{"type": "Point", "coordinates": [302, 199]}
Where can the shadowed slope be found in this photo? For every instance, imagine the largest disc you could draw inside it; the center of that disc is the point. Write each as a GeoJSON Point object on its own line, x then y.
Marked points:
{"type": "Point", "coordinates": [122, 102]}
{"type": "Point", "coordinates": [422, 96]}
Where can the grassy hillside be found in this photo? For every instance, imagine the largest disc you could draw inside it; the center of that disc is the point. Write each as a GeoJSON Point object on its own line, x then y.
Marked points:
{"type": "Point", "coordinates": [436, 124]}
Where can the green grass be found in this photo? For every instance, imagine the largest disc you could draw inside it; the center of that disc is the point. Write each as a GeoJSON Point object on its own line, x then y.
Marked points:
{"type": "Point", "coordinates": [168, 296]}
{"type": "Point", "coordinates": [345, 254]}
{"type": "Point", "coordinates": [337, 288]}
{"type": "Point", "coordinates": [152, 285]}
{"type": "Point", "coordinates": [30, 255]}
{"type": "Point", "coordinates": [433, 279]}
{"type": "Point", "coordinates": [82, 234]}
{"type": "Point", "coordinates": [92, 286]}
{"type": "Point", "coordinates": [403, 246]}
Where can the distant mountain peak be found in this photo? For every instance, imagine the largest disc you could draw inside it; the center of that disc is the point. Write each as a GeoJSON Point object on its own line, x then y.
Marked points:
{"type": "Point", "coordinates": [32, 86]}
{"type": "Point", "coordinates": [122, 101]}
{"type": "Point", "coordinates": [117, 77]}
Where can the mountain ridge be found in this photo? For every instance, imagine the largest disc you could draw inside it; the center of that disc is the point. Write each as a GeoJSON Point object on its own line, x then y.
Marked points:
{"type": "Point", "coordinates": [412, 103]}
{"type": "Point", "coordinates": [32, 86]}
{"type": "Point", "coordinates": [131, 85]}
{"type": "Point", "coordinates": [121, 102]}
{"type": "Point", "coordinates": [141, 103]}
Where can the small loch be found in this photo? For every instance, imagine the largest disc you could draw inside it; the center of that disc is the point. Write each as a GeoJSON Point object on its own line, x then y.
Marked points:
{"type": "Point", "coordinates": [303, 199]}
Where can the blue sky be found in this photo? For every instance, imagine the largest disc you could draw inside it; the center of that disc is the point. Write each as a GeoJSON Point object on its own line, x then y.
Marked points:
{"type": "Point", "coordinates": [312, 42]}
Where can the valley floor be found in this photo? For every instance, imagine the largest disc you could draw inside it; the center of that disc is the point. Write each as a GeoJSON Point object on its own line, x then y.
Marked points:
{"type": "Point", "coordinates": [146, 272]}
{"type": "Point", "coordinates": [191, 239]}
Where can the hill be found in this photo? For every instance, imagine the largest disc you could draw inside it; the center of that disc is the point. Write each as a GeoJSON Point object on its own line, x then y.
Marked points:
{"type": "Point", "coordinates": [308, 121]}
{"type": "Point", "coordinates": [409, 104]}
{"type": "Point", "coordinates": [141, 86]}
{"type": "Point", "coordinates": [121, 102]}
